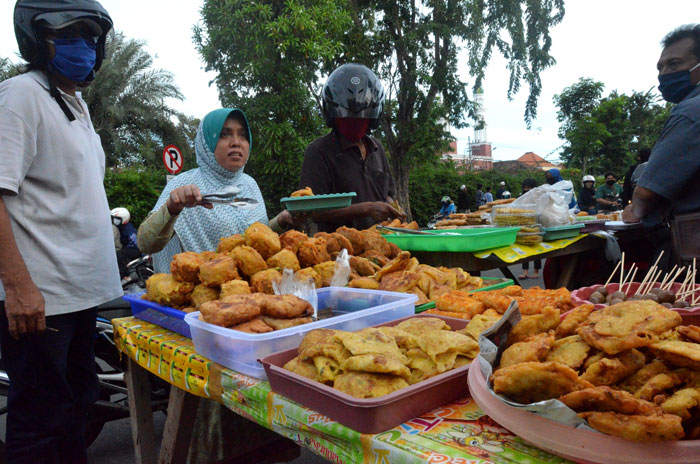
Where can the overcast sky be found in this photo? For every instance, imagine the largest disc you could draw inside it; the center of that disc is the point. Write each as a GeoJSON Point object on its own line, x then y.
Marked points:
{"type": "Point", "coordinates": [612, 41]}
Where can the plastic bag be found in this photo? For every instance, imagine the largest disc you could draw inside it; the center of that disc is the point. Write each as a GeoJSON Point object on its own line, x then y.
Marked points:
{"type": "Point", "coordinates": [341, 272]}
{"type": "Point", "coordinates": [303, 288]}
{"type": "Point", "coordinates": [551, 202]}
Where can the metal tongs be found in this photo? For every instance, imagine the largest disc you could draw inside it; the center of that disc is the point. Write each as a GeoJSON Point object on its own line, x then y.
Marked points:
{"type": "Point", "coordinates": [401, 230]}
{"type": "Point", "coordinates": [227, 196]}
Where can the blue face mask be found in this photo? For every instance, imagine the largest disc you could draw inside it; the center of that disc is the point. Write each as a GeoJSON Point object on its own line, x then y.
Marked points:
{"type": "Point", "coordinates": [676, 85]}
{"type": "Point", "coordinates": [74, 58]}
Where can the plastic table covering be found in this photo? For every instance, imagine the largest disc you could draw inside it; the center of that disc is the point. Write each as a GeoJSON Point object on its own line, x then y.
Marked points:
{"type": "Point", "coordinates": [457, 433]}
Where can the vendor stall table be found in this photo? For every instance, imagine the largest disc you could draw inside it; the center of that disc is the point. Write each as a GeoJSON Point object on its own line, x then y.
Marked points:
{"type": "Point", "coordinates": [457, 433]}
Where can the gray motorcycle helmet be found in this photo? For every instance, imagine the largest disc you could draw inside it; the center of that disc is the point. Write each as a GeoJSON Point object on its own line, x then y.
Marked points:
{"type": "Point", "coordinates": [353, 91]}
{"type": "Point", "coordinates": [31, 17]}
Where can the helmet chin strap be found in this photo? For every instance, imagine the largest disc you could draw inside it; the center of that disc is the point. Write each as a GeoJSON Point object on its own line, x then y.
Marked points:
{"type": "Point", "coordinates": [56, 94]}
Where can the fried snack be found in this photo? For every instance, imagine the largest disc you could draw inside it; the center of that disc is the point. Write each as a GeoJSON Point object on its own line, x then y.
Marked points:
{"type": "Point", "coordinates": [217, 271]}
{"type": "Point", "coordinates": [681, 354]}
{"type": "Point", "coordinates": [202, 294]}
{"type": "Point", "coordinates": [279, 324]}
{"type": "Point", "coordinates": [354, 237]}
{"type": "Point", "coordinates": [609, 371]}
{"type": "Point", "coordinates": [372, 240]}
{"type": "Point", "coordinates": [262, 281]}
{"type": "Point", "coordinates": [666, 381]}
{"type": "Point", "coordinates": [364, 282]}
{"type": "Point", "coordinates": [337, 242]}
{"type": "Point", "coordinates": [418, 325]}
{"type": "Point", "coordinates": [395, 250]}
{"type": "Point", "coordinates": [313, 251]}
{"type": "Point", "coordinates": [209, 255]}
{"type": "Point", "coordinates": [188, 309]}
{"type": "Point", "coordinates": [533, 325]}
{"type": "Point", "coordinates": [422, 367]}
{"type": "Point", "coordinates": [366, 385]}
{"type": "Point", "coordinates": [227, 244]}
{"type": "Point", "coordinates": [572, 320]}
{"type": "Point", "coordinates": [234, 287]}
{"type": "Point", "coordinates": [253, 326]}
{"type": "Point", "coordinates": [691, 332]}
{"type": "Point", "coordinates": [164, 289]}
{"type": "Point", "coordinates": [328, 369]}
{"type": "Point", "coordinates": [492, 313]}
{"type": "Point", "coordinates": [303, 368]}
{"type": "Point", "coordinates": [637, 380]}
{"type": "Point", "coordinates": [422, 298]}
{"type": "Point", "coordinates": [376, 258]}
{"type": "Point", "coordinates": [305, 192]}
{"type": "Point", "coordinates": [284, 259]}
{"type": "Point", "coordinates": [494, 299]}
{"type": "Point", "coordinates": [429, 275]}
{"type": "Point", "coordinates": [370, 341]}
{"type": "Point", "coordinates": [626, 325]}
{"type": "Point", "coordinates": [478, 324]}
{"type": "Point", "coordinates": [454, 315]}
{"type": "Point", "coordinates": [460, 302]}
{"type": "Point", "coordinates": [443, 346]}
{"type": "Point", "coordinates": [378, 364]}
{"type": "Point", "coordinates": [395, 265]}
{"type": "Point", "coordinates": [437, 290]}
{"type": "Point", "coordinates": [185, 267]}
{"type": "Point", "coordinates": [362, 266]}
{"type": "Point", "coordinates": [606, 399]}
{"type": "Point", "coordinates": [682, 402]}
{"type": "Point", "coordinates": [292, 239]}
{"type": "Point", "coordinates": [531, 382]}
{"type": "Point", "coordinates": [309, 273]}
{"type": "Point", "coordinates": [533, 349]}
{"type": "Point", "coordinates": [657, 427]}
{"type": "Point", "coordinates": [404, 340]}
{"type": "Point", "coordinates": [235, 310]}
{"type": "Point", "coordinates": [570, 351]}
{"type": "Point", "coordinates": [322, 342]}
{"type": "Point", "coordinates": [325, 271]}
{"type": "Point", "coordinates": [282, 306]}
{"type": "Point", "coordinates": [263, 239]}
{"type": "Point", "coordinates": [248, 260]}
{"type": "Point", "coordinates": [401, 281]}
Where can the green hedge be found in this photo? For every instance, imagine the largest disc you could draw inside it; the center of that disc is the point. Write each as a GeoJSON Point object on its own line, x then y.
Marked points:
{"type": "Point", "coordinates": [136, 189]}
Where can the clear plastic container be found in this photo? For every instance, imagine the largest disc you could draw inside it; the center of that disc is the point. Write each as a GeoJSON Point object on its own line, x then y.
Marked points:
{"type": "Point", "coordinates": [508, 215]}
{"type": "Point", "coordinates": [355, 309]}
{"type": "Point", "coordinates": [529, 238]}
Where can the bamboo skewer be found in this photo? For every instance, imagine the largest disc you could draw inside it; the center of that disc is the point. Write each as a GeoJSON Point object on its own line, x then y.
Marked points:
{"type": "Point", "coordinates": [644, 281]}
{"type": "Point", "coordinates": [685, 281]}
{"type": "Point", "coordinates": [622, 271]}
{"type": "Point", "coordinates": [614, 271]}
{"type": "Point", "coordinates": [672, 280]}
{"type": "Point", "coordinates": [624, 280]}
{"type": "Point", "coordinates": [629, 284]}
{"type": "Point", "coordinates": [651, 284]}
{"type": "Point", "coordinates": [663, 282]}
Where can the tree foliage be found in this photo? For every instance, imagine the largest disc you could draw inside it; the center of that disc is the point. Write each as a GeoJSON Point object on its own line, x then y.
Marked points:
{"type": "Point", "coordinates": [136, 189]}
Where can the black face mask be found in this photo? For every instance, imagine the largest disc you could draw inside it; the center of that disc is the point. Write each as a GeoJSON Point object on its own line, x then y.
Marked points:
{"type": "Point", "coordinates": [610, 182]}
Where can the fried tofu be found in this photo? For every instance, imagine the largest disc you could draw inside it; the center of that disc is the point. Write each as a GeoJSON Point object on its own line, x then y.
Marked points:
{"type": "Point", "coordinates": [248, 260]}
{"type": "Point", "coordinates": [262, 239]}
{"type": "Point", "coordinates": [185, 267]}
{"type": "Point", "coordinates": [284, 259]}
{"type": "Point", "coordinates": [217, 271]}
{"type": "Point", "coordinates": [227, 244]}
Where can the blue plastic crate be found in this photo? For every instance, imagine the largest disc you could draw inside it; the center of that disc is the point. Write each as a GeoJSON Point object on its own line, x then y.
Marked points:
{"type": "Point", "coordinates": [169, 318]}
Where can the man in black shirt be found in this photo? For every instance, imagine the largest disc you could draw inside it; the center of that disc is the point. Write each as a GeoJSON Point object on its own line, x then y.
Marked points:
{"type": "Point", "coordinates": [348, 159]}
{"type": "Point", "coordinates": [463, 200]}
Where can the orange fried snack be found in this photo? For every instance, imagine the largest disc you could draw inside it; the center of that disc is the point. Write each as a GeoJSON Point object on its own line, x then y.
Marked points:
{"type": "Point", "coordinates": [262, 281]}
{"type": "Point", "coordinates": [164, 289]}
{"type": "Point", "coordinates": [354, 237]}
{"type": "Point", "coordinates": [362, 266]}
{"type": "Point", "coordinates": [637, 380]}
{"type": "Point", "coordinates": [400, 263]}
{"type": "Point", "coordinates": [375, 257]}
{"type": "Point", "coordinates": [202, 294]}
{"type": "Point", "coordinates": [533, 349]}
{"type": "Point", "coordinates": [235, 310]}
{"type": "Point", "coordinates": [282, 306]}
{"type": "Point", "coordinates": [535, 324]}
{"type": "Point", "coordinates": [570, 351]}
{"type": "Point", "coordinates": [372, 240]}
{"type": "Point", "coordinates": [248, 260]}
{"type": "Point", "coordinates": [364, 282]}
{"type": "Point", "coordinates": [657, 427]}
{"type": "Point", "coordinates": [367, 385]}
{"type": "Point", "coordinates": [234, 287]}
{"type": "Point", "coordinates": [284, 259]}
{"type": "Point", "coordinates": [309, 273]}
{"type": "Point", "coordinates": [572, 320]}
{"type": "Point", "coordinates": [305, 192]}
{"type": "Point", "coordinates": [401, 281]}
{"type": "Point", "coordinates": [313, 251]}
{"type": "Point", "coordinates": [682, 354]}
{"type": "Point", "coordinates": [690, 332]}
{"type": "Point", "coordinates": [437, 312]}
{"type": "Point", "coordinates": [460, 302]}
{"type": "Point", "coordinates": [253, 326]}
{"type": "Point", "coordinates": [422, 298]}
{"type": "Point", "coordinates": [609, 371]}
{"type": "Point", "coordinates": [530, 382]}
{"type": "Point", "coordinates": [494, 299]}
{"type": "Point", "coordinates": [335, 242]}
{"type": "Point", "coordinates": [279, 324]}
{"type": "Point", "coordinates": [605, 399]}
{"type": "Point", "coordinates": [292, 239]}
{"type": "Point", "coordinates": [263, 239]}
{"type": "Point", "coordinates": [185, 267]}
{"type": "Point", "coordinates": [217, 271]}
{"type": "Point", "coordinates": [227, 244]}
{"type": "Point", "coordinates": [325, 271]}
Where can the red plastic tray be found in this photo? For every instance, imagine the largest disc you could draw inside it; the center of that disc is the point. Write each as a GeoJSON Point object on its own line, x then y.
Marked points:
{"type": "Point", "coordinates": [580, 296]}
{"type": "Point", "coordinates": [376, 414]}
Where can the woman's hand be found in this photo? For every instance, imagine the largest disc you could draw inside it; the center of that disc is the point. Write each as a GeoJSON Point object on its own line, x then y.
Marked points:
{"type": "Point", "coordinates": [183, 197]}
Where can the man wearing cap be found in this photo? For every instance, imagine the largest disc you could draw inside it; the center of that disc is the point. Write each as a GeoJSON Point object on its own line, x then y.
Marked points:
{"type": "Point", "coordinates": [463, 199]}
{"type": "Point", "coordinates": [501, 189]}
{"type": "Point", "coordinates": [57, 260]}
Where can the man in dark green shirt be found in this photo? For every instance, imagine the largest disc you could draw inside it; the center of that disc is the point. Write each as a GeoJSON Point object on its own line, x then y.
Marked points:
{"type": "Point", "coordinates": [608, 195]}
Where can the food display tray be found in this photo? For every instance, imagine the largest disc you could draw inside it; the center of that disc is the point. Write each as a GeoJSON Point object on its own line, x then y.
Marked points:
{"type": "Point", "coordinates": [494, 283]}
{"type": "Point", "coordinates": [583, 446]}
{"type": "Point", "coordinates": [580, 296]}
{"type": "Point", "coordinates": [371, 415]}
{"type": "Point", "coordinates": [356, 308]}
{"type": "Point", "coordinates": [456, 240]}
{"type": "Point", "coordinates": [556, 233]}
{"type": "Point", "coordinates": [164, 316]}
{"type": "Point", "coordinates": [620, 225]}
{"type": "Point", "coordinates": [317, 202]}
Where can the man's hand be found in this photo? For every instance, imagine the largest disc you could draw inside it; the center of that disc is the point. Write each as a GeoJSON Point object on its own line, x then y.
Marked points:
{"type": "Point", "coordinates": [381, 211]}
{"type": "Point", "coordinates": [183, 197]}
{"type": "Point", "coordinates": [24, 306]}
{"type": "Point", "coordinates": [628, 215]}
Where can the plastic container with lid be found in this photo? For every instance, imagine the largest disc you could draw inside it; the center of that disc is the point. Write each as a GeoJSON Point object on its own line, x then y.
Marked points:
{"type": "Point", "coordinates": [354, 309]}
{"type": "Point", "coordinates": [509, 215]}
{"type": "Point", "coordinates": [529, 238]}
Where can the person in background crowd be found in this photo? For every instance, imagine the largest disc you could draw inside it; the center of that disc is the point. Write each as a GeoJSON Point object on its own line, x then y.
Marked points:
{"type": "Point", "coordinates": [447, 207]}
{"type": "Point", "coordinates": [348, 159]}
{"type": "Point", "coordinates": [628, 184]}
{"type": "Point", "coordinates": [505, 195]}
{"type": "Point", "coordinates": [479, 196]}
{"type": "Point", "coordinates": [529, 184]}
{"type": "Point", "coordinates": [586, 196]}
{"type": "Point", "coordinates": [57, 260]}
{"type": "Point", "coordinates": [488, 196]}
{"type": "Point", "coordinates": [125, 241]}
{"type": "Point", "coordinates": [501, 189]}
{"type": "Point", "coordinates": [463, 199]}
{"type": "Point", "coordinates": [608, 195]}
{"type": "Point", "coordinates": [553, 176]}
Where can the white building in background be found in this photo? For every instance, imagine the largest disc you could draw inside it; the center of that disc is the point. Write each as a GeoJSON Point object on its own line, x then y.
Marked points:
{"type": "Point", "coordinates": [477, 155]}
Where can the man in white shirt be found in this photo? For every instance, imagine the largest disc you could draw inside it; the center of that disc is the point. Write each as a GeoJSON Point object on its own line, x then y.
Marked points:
{"type": "Point", "coordinates": [57, 260]}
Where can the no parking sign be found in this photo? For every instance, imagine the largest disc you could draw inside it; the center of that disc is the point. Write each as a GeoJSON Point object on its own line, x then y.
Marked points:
{"type": "Point", "coordinates": [172, 159]}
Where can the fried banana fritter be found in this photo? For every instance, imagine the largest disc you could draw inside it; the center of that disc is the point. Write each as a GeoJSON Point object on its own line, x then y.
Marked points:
{"type": "Point", "coordinates": [248, 260]}
{"type": "Point", "coordinates": [658, 427]}
{"type": "Point", "coordinates": [185, 267]}
{"type": "Point", "coordinates": [284, 259]}
{"type": "Point", "coordinates": [637, 380]}
{"type": "Point", "coordinates": [401, 281]}
{"type": "Point", "coordinates": [606, 399]}
{"type": "Point", "coordinates": [202, 294]}
{"type": "Point", "coordinates": [681, 354]}
{"type": "Point", "coordinates": [234, 287]}
{"type": "Point", "coordinates": [365, 282]}
{"type": "Point", "coordinates": [399, 263]}
{"type": "Point", "coordinates": [227, 244]}
{"type": "Point", "coordinates": [531, 382]}
{"type": "Point", "coordinates": [681, 402]}
{"type": "Point", "coordinates": [282, 306]}
{"type": "Point", "coordinates": [217, 271]}
{"type": "Point", "coordinates": [164, 289]}
{"type": "Point", "coordinates": [478, 324]}
{"type": "Point", "coordinates": [362, 266]}
{"type": "Point", "coordinates": [610, 370]}
{"type": "Point", "coordinates": [262, 281]}
{"type": "Point", "coordinates": [572, 320]}
{"type": "Point", "coordinates": [570, 351]}
{"type": "Point", "coordinates": [263, 239]}
{"type": "Point", "coordinates": [535, 324]}
{"type": "Point", "coordinates": [235, 310]}
{"type": "Point", "coordinates": [535, 348]}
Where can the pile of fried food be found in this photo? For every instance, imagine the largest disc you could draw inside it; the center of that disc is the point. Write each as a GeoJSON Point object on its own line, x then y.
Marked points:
{"type": "Point", "coordinates": [631, 369]}
{"type": "Point", "coordinates": [477, 218]}
{"type": "Point", "coordinates": [413, 225]}
{"type": "Point", "coordinates": [377, 361]}
{"type": "Point", "coordinates": [305, 192]}
{"type": "Point", "coordinates": [509, 216]}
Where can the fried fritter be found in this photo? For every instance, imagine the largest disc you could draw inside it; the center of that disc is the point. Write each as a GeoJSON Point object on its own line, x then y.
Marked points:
{"type": "Point", "coordinates": [681, 354]}
{"type": "Point", "coordinates": [282, 306]}
{"type": "Point", "coordinates": [164, 289]}
{"type": "Point", "coordinates": [658, 427]}
{"type": "Point", "coordinates": [606, 399]}
{"type": "Point", "coordinates": [397, 264]}
{"type": "Point", "coordinates": [531, 382]}
{"type": "Point", "coordinates": [235, 310]}
{"type": "Point", "coordinates": [227, 244]}
{"type": "Point", "coordinates": [572, 320]}
{"type": "Point", "coordinates": [185, 267]}
{"type": "Point", "coordinates": [209, 255]}
{"type": "Point", "coordinates": [429, 275]}
{"type": "Point", "coordinates": [478, 324]}
{"type": "Point", "coordinates": [354, 237]}
{"type": "Point", "coordinates": [401, 281]}
{"type": "Point", "coordinates": [303, 368]}
{"type": "Point", "coordinates": [492, 313]}
{"type": "Point", "coordinates": [254, 326]}
{"type": "Point", "coordinates": [418, 325]}
{"type": "Point", "coordinates": [234, 287]}
{"type": "Point", "coordinates": [364, 282]}
{"type": "Point", "coordinates": [422, 298]}
{"type": "Point", "coordinates": [691, 332]}
{"type": "Point", "coordinates": [279, 324]}
{"type": "Point", "coordinates": [284, 259]}
{"type": "Point", "coordinates": [248, 260]}
{"type": "Point", "coordinates": [610, 370]}
{"type": "Point", "coordinates": [666, 381]}
{"type": "Point", "coordinates": [570, 351]}
{"type": "Point", "coordinates": [322, 342]}
{"type": "Point", "coordinates": [494, 300]}
{"type": "Point", "coordinates": [451, 277]}
{"type": "Point", "coordinates": [422, 367]}
{"type": "Point", "coordinates": [626, 325]}
{"type": "Point", "coordinates": [395, 250]}
{"type": "Point", "coordinates": [262, 281]}
{"type": "Point", "coordinates": [443, 346]}
{"type": "Point", "coordinates": [325, 271]}
{"type": "Point", "coordinates": [460, 302]}
{"type": "Point", "coordinates": [305, 192]}
{"type": "Point", "coordinates": [372, 240]}
{"type": "Point", "coordinates": [535, 324]}
{"type": "Point", "coordinates": [535, 348]}
{"type": "Point", "coordinates": [378, 364]}
{"type": "Point", "coordinates": [682, 402]}
{"type": "Point", "coordinates": [369, 341]}
{"type": "Point", "coordinates": [335, 242]}
{"type": "Point", "coordinates": [263, 239]}
{"type": "Point", "coordinates": [292, 239]}
{"type": "Point", "coordinates": [404, 340]}
{"type": "Point", "coordinates": [437, 290]}
{"type": "Point", "coordinates": [202, 294]}
{"type": "Point", "coordinates": [309, 273]}
{"type": "Point", "coordinates": [366, 385]}
{"type": "Point", "coordinates": [637, 380]}
{"type": "Point", "coordinates": [313, 251]}
{"type": "Point", "coordinates": [375, 257]}
{"type": "Point", "coordinates": [363, 266]}
{"type": "Point", "coordinates": [217, 271]}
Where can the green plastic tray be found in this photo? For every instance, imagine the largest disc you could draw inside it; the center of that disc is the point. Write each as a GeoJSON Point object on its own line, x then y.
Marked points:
{"type": "Point", "coordinates": [501, 283]}
{"type": "Point", "coordinates": [556, 233]}
{"type": "Point", "coordinates": [318, 202]}
{"type": "Point", "coordinates": [468, 240]}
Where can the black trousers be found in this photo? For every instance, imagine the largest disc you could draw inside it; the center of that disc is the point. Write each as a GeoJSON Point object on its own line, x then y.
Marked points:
{"type": "Point", "coordinates": [52, 385]}
{"type": "Point", "coordinates": [124, 256]}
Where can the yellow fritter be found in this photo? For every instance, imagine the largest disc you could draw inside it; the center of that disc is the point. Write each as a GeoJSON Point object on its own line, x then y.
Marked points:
{"type": "Point", "coordinates": [375, 257]}
{"type": "Point", "coordinates": [681, 354]}
{"type": "Point", "coordinates": [373, 240]}
{"type": "Point", "coordinates": [305, 192]}
{"type": "Point", "coordinates": [263, 239]}
{"type": "Point", "coordinates": [667, 381]}
{"type": "Point", "coordinates": [681, 402]}
{"type": "Point", "coordinates": [378, 364]}
{"type": "Point", "coordinates": [606, 399]}
{"type": "Point", "coordinates": [535, 348]}
{"type": "Point", "coordinates": [325, 271]}
{"type": "Point", "coordinates": [610, 370]}
{"type": "Point", "coordinates": [248, 260]}
{"type": "Point", "coordinates": [234, 287]}
{"type": "Point", "coordinates": [690, 332]}
{"type": "Point", "coordinates": [354, 237]}
{"type": "Point", "coordinates": [312, 252]}
{"type": "Point", "coordinates": [437, 290]}
{"type": "Point", "coordinates": [401, 281]}
{"type": "Point", "coordinates": [397, 264]}
{"type": "Point", "coordinates": [422, 298]}
{"type": "Point", "coordinates": [262, 281]}
{"type": "Point", "coordinates": [443, 346]}
{"type": "Point", "coordinates": [570, 351]}
{"type": "Point", "coordinates": [531, 382]}
{"type": "Point", "coordinates": [572, 320]}
{"type": "Point", "coordinates": [428, 275]}
{"type": "Point", "coordinates": [284, 259]}
{"type": "Point", "coordinates": [254, 326]}
{"type": "Point", "coordinates": [364, 282]}
{"type": "Point", "coordinates": [322, 342]}
{"type": "Point", "coordinates": [635, 381]}
{"type": "Point", "coordinates": [422, 367]}
{"type": "Point", "coordinates": [309, 273]}
{"type": "Point", "coordinates": [236, 310]}
{"type": "Point", "coordinates": [303, 368]}
{"type": "Point", "coordinates": [418, 325]}
{"type": "Point", "coordinates": [451, 277]}
{"type": "Point", "coordinates": [658, 427]}
{"type": "Point", "coordinates": [217, 271]}
{"type": "Point", "coordinates": [363, 266]}
{"type": "Point", "coordinates": [292, 239]}
{"type": "Point", "coordinates": [328, 368]}
{"type": "Point", "coordinates": [535, 324]}
{"type": "Point", "coordinates": [369, 340]}
{"type": "Point", "coordinates": [185, 267]}
{"type": "Point", "coordinates": [227, 244]}
{"type": "Point", "coordinates": [282, 306]}
{"type": "Point", "coordinates": [404, 340]}
{"type": "Point", "coordinates": [367, 385]}
{"type": "Point", "coordinates": [279, 324]}
{"type": "Point", "coordinates": [478, 324]}
{"type": "Point", "coordinates": [164, 289]}
{"type": "Point", "coordinates": [460, 302]}
{"type": "Point", "coordinates": [202, 294]}
{"type": "Point", "coordinates": [494, 299]}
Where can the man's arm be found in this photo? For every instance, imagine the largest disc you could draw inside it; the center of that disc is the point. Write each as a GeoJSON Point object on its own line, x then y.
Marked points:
{"type": "Point", "coordinates": [379, 210]}
{"type": "Point", "coordinates": [24, 304]}
{"type": "Point", "coordinates": [644, 201]}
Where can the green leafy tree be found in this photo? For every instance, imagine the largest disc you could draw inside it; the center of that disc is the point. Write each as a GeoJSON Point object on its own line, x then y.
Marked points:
{"type": "Point", "coordinates": [8, 69]}
{"type": "Point", "coordinates": [136, 189]}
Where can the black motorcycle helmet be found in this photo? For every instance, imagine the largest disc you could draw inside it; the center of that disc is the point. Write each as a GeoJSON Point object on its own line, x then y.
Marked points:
{"type": "Point", "coordinates": [32, 16]}
{"type": "Point", "coordinates": [353, 91]}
